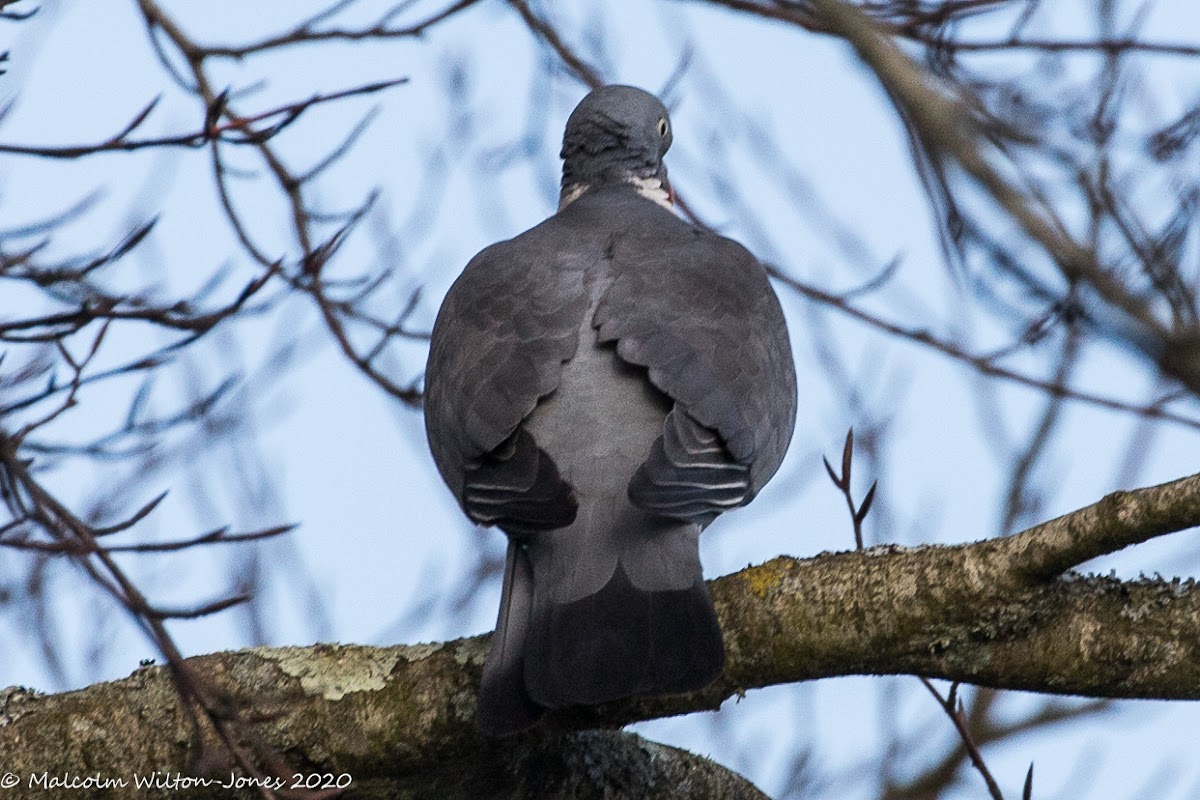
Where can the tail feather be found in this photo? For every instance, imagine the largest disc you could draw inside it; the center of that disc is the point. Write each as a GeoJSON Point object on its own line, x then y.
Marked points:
{"type": "Point", "coordinates": [595, 613]}
{"type": "Point", "coordinates": [620, 642]}
{"type": "Point", "coordinates": [504, 704]}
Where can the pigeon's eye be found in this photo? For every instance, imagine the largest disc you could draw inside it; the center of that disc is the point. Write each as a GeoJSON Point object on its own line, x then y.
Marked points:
{"type": "Point", "coordinates": [662, 126]}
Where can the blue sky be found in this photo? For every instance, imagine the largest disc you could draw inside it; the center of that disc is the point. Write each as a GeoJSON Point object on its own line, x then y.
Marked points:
{"type": "Point", "coordinates": [378, 531]}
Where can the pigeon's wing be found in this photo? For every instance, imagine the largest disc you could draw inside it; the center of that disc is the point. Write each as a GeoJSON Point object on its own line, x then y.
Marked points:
{"type": "Point", "coordinates": [698, 311]}
{"type": "Point", "coordinates": [690, 474]}
{"type": "Point", "coordinates": [503, 332]}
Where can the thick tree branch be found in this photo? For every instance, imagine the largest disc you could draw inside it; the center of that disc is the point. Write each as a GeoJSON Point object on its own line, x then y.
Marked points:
{"type": "Point", "coordinates": [990, 613]}
{"type": "Point", "coordinates": [1116, 522]}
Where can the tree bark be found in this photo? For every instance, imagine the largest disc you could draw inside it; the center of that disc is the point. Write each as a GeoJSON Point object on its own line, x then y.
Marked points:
{"type": "Point", "coordinates": [399, 720]}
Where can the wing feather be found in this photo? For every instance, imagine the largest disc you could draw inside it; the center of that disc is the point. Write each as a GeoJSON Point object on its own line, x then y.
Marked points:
{"type": "Point", "coordinates": [689, 475]}
{"type": "Point", "coordinates": [503, 332]}
{"type": "Point", "coordinates": [697, 310]}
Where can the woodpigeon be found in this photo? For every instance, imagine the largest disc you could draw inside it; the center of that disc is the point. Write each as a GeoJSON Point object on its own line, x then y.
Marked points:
{"type": "Point", "coordinates": [601, 387]}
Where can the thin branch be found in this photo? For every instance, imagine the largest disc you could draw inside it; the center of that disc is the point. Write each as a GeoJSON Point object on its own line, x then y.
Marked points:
{"type": "Point", "coordinates": [946, 125]}
{"type": "Point", "coordinates": [954, 710]}
{"type": "Point", "coordinates": [982, 364]}
{"type": "Point", "coordinates": [546, 32]}
{"type": "Point", "coordinates": [912, 21]}
{"type": "Point", "coordinates": [305, 34]}
{"type": "Point", "coordinates": [858, 513]}
{"type": "Point", "coordinates": [121, 142]}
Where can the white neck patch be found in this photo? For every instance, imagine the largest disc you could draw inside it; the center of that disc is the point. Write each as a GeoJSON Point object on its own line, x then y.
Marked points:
{"type": "Point", "coordinates": [649, 188]}
{"type": "Point", "coordinates": [570, 194]}
{"type": "Point", "coordinates": [652, 189]}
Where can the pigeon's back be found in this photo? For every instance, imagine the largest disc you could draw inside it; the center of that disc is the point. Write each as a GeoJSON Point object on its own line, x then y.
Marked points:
{"type": "Point", "coordinates": [601, 387]}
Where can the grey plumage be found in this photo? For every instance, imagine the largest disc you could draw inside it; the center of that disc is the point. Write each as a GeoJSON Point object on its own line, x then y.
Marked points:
{"type": "Point", "coordinates": [601, 387]}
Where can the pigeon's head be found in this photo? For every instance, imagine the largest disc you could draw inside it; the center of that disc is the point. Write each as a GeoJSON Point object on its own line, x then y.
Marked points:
{"type": "Point", "coordinates": [617, 134]}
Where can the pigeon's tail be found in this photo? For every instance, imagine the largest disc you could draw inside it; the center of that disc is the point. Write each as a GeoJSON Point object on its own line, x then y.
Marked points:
{"type": "Point", "coordinates": [504, 704]}
{"type": "Point", "coordinates": [580, 628]}
{"type": "Point", "coordinates": [624, 641]}
{"type": "Point", "coordinates": [630, 617]}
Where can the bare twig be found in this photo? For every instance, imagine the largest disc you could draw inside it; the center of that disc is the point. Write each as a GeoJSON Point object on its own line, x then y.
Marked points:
{"type": "Point", "coordinates": [954, 710]}
{"type": "Point", "coordinates": [211, 131]}
{"type": "Point", "coordinates": [858, 513]}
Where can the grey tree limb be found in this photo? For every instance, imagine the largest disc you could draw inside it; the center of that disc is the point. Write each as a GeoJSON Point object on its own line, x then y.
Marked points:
{"type": "Point", "coordinates": [1000, 613]}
